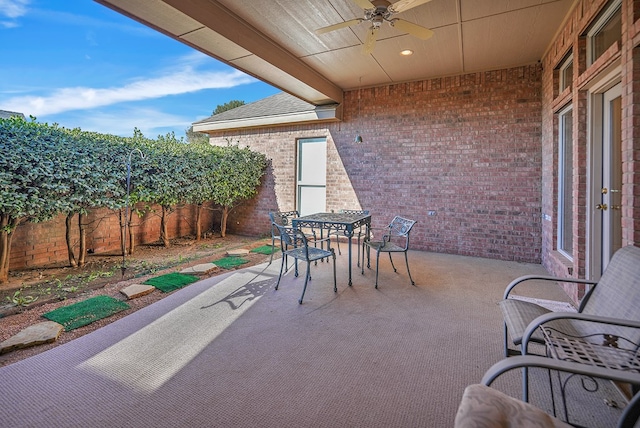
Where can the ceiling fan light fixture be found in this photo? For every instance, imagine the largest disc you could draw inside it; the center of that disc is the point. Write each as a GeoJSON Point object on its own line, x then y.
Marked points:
{"type": "Point", "coordinates": [378, 11]}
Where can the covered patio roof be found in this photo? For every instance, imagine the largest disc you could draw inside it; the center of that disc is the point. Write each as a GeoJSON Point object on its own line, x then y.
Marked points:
{"type": "Point", "coordinates": [275, 40]}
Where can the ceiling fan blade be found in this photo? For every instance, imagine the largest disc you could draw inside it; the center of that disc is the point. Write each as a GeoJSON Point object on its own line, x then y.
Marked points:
{"type": "Point", "coordinates": [403, 5]}
{"type": "Point", "coordinates": [339, 26]}
{"type": "Point", "coordinates": [364, 4]}
{"type": "Point", "coordinates": [370, 43]}
{"type": "Point", "coordinates": [411, 28]}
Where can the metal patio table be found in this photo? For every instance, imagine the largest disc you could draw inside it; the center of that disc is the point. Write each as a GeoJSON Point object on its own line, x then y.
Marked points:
{"type": "Point", "coordinates": [344, 222]}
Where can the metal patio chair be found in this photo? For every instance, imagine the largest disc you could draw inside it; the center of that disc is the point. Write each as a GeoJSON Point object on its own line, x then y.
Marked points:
{"type": "Point", "coordinates": [605, 331]}
{"type": "Point", "coordinates": [295, 244]}
{"type": "Point", "coordinates": [394, 240]}
{"type": "Point", "coordinates": [360, 231]}
{"type": "Point", "coordinates": [283, 218]}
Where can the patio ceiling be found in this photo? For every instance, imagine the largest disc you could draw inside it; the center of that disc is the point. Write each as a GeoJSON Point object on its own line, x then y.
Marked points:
{"type": "Point", "coordinates": [274, 40]}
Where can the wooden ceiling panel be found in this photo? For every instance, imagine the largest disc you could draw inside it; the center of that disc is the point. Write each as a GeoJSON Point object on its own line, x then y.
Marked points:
{"type": "Point", "coordinates": [433, 57]}
{"type": "Point", "coordinates": [476, 9]}
{"type": "Point", "coordinates": [346, 66]}
{"type": "Point", "coordinates": [211, 42]}
{"type": "Point", "coordinates": [509, 39]}
{"type": "Point", "coordinates": [155, 13]}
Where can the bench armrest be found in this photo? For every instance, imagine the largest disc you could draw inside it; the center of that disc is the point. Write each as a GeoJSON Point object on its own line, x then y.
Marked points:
{"type": "Point", "coordinates": [521, 361]}
{"type": "Point", "coordinates": [525, 278]}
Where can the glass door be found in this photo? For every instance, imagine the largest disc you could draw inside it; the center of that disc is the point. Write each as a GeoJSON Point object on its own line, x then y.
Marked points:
{"type": "Point", "coordinates": [312, 175]}
{"type": "Point", "coordinates": [607, 197]}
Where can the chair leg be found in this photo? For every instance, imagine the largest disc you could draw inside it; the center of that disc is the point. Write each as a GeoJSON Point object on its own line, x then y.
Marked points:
{"type": "Point", "coordinates": [406, 259]}
{"type": "Point", "coordinates": [506, 341]}
{"type": "Point", "coordinates": [392, 265]}
{"type": "Point", "coordinates": [335, 284]}
{"type": "Point", "coordinates": [306, 281]}
{"type": "Point", "coordinates": [368, 257]}
{"type": "Point", "coordinates": [273, 248]}
{"type": "Point", "coordinates": [284, 256]}
{"type": "Point", "coordinates": [378, 265]}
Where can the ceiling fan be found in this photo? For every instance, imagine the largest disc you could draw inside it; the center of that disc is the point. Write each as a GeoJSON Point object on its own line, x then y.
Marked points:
{"type": "Point", "coordinates": [378, 11]}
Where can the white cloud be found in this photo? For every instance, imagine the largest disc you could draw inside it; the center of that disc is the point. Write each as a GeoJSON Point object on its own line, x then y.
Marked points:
{"type": "Point", "coordinates": [149, 121]}
{"type": "Point", "coordinates": [8, 24]}
{"type": "Point", "coordinates": [13, 8]}
{"type": "Point", "coordinates": [82, 98]}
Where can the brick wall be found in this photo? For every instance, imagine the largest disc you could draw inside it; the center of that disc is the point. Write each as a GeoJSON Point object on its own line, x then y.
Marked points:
{"type": "Point", "coordinates": [571, 39]}
{"type": "Point", "coordinates": [467, 147]}
{"type": "Point", "coordinates": [42, 244]}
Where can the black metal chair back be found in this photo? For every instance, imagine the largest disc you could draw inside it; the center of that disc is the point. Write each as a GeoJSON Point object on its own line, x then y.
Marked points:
{"type": "Point", "coordinates": [394, 240]}
{"type": "Point", "coordinates": [295, 244]}
{"type": "Point", "coordinates": [359, 232]}
{"type": "Point", "coordinates": [282, 218]}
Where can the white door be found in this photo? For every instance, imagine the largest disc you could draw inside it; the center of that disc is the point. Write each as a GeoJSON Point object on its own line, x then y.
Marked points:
{"type": "Point", "coordinates": [607, 214]}
{"type": "Point", "coordinates": [312, 175]}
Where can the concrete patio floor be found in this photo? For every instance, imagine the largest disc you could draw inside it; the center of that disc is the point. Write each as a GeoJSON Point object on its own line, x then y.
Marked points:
{"type": "Point", "coordinates": [232, 351]}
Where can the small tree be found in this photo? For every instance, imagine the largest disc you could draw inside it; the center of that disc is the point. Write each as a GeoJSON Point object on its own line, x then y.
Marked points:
{"type": "Point", "coordinates": [32, 184]}
{"type": "Point", "coordinates": [236, 179]}
{"type": "Point", "coordinates": [165, 177]}
{"type": "Point", "coordinates": [200, 178]}
{"type": "Point", "coordinates": [92, 174]}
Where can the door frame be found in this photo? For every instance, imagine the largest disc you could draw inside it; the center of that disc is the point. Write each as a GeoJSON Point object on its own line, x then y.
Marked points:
{"type": "Point", "coordinates": [315, 182]}
{"type": "Point", "coordinates": [608, 80]}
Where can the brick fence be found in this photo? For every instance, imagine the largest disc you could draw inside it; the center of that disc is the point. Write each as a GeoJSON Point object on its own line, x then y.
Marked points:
{"type": "Point", "coordinates": [44, 244]}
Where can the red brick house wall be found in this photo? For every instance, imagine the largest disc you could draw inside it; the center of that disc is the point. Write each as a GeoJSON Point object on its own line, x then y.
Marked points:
{"type": "Point", "coordinates": [467, 147]}
{"type": "Point", "coordinates": [571, 39]}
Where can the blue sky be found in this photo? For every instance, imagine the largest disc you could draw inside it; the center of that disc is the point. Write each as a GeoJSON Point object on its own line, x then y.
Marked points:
{"type": "Point", "coordinates": [81, 65]}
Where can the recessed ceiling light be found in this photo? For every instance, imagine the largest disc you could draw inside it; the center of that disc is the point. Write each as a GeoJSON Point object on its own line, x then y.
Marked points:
{"type": "Point", "coordinates": [406, 52]}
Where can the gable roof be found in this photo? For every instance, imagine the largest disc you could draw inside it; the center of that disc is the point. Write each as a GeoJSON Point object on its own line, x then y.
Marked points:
{"type": "Point", "coordinates": [279, 109]}
{"type": "Point", "coordinates": [5, 114]}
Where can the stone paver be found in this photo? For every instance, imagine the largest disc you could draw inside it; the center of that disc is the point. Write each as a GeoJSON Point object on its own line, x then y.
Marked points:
{"type": "Point", "coordinates": [137, 290]}
{"type": "Point", "coordinates": [200, 269]}
{"type": "Point", "coordinates": [238, 252]}
{"type": "Point", "coordinates": [44, 332]}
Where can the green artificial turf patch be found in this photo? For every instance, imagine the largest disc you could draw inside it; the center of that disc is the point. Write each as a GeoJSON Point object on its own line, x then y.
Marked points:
{"type": "Point", "coordinates": [230, 262]}
{"type": "Point", "coordinates": [171, 281]}
{"type": "Point", "coordinates": [85, 312]}
{"type": "Point", "coordinates": [265, 249]}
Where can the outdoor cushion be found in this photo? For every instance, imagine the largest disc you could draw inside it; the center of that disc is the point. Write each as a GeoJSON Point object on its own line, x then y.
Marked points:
{"type": "Point", "coordinates": [484, 407]}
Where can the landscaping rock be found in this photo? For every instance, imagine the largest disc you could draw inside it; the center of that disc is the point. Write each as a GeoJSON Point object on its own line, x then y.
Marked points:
{"type": "Point", "coordinates": [200, 269]}
{"type": "Point", "coordinates": [238, 252]}
{"type": "Point", "coordinates": [37, 334]}
{"type": "Point", "coordinates": [137, 290]}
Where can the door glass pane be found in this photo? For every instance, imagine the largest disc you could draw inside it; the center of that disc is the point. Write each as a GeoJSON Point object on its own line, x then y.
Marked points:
{"type": "Point", "coordinates": [312, 199]}
{"type": "Point", "coordinates": [608, 34]}
{"type": "Point", "coordinates": [313, 162]}
{"type": "Point", "coordinates": [615, 194]}
{"type": "Point", "coordinates": [566, 76]}
{"type": "Point", "coordinates": [565, 187]}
